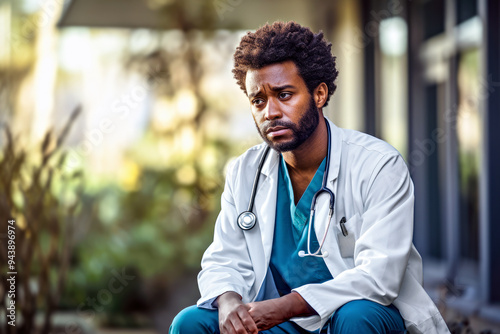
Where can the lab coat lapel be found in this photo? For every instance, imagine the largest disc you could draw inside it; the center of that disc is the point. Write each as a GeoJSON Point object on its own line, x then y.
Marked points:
{"type": "Point", "coordinates": [265, 201]}
{"type": "Point", "coordinates": [334, 263]}
{"type": "Point", "coordinates": [335, 152]}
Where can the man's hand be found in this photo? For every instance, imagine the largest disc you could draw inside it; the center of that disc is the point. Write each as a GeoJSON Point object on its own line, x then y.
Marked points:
{"type": "Point", "coordinates": [267, 313]}
{"type": "Point", "coordinates": [272, 312]}
{"type": "Point", "coordinates": [233, 315]}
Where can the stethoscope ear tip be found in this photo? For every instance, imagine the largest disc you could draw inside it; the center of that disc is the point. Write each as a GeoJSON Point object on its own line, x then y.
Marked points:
{"type": "Point", "coordinates": [303, 254]}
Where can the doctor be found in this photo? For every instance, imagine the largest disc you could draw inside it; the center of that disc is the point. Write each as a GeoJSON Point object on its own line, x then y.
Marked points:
{"type": "Point", "coordinates": [347, 266]}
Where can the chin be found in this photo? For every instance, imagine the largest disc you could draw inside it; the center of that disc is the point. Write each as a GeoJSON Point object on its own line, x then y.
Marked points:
{"type": "Point", "coordinates": [284, 146]}
{"type": "Point", "coordinates": [281, 144]}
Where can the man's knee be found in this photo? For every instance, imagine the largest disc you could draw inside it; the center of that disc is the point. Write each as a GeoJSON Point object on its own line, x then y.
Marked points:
{"type": "Point", "coordinates": [363, 316]}
{"type": "Point", "coordinates": [194, 320]}
{"type": "Point", "coordinates": [353, 314]}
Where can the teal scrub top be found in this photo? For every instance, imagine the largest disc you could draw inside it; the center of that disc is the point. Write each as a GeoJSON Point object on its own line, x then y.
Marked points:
{"type": "Point", "coordinates": [290, 236]}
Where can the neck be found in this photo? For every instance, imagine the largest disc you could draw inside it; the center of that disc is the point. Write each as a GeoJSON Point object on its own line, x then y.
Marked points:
{"type": "Point", "coordinates": [308, 156]}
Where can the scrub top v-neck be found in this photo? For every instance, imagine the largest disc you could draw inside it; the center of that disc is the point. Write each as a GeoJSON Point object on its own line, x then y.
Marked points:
{"type": "Point", "coordinates": [290, 236]}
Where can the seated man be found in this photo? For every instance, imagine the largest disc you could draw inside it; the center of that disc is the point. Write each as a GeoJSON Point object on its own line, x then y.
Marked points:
{"type": "Point", "coordinates": [315, 233]}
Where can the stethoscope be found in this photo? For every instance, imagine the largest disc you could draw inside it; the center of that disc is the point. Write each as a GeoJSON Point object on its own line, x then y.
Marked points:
{"type": "Point", "coordinates": [247, 219]}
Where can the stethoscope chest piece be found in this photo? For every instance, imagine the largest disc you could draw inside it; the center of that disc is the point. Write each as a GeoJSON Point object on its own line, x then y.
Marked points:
{"type": "Point", "coordinates": [247, 220]}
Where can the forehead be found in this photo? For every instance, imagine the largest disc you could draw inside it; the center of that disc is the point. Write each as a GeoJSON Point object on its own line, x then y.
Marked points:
{"type": "Point", "coordinates": [274, 75]}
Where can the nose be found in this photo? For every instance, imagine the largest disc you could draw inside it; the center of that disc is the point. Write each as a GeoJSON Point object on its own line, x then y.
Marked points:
{"type": "Point", "coordinates": [272, 110]}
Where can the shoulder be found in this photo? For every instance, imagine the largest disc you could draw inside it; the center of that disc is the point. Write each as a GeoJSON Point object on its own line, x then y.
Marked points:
{"type": "Point", "coordinates": [365, 155]}
{"type": "Point", "coordinates": [365, 145]}
{"type": "Point", "coordinates": [372, 165]}
{"type": "Point", "coordinates": [240, 171]}
{"type": "Point", "coordinates": [248, 160]}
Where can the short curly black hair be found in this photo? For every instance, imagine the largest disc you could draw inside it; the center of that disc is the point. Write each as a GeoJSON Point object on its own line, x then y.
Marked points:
{"type": "Point", "coordinates": [282, 41]}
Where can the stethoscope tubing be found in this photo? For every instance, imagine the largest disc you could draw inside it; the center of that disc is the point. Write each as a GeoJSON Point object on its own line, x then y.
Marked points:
{"type": "Point", "coordinates": [247, 219]}
{"type": "Point", "coordinates": [324, 189]}
{"type": "Point", "coordinates": [256, 179]}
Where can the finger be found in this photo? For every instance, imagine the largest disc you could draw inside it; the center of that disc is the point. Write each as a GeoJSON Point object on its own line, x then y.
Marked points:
{"type": "Point", "coordinates": [225, 322]}
{"type": "Point", "coordinates": [236, 321]}
{"type": "Point", "coordinates": [250, 325]}
{"type": "Point", "coordinates": [225, 327]}
{"type": "Point", "coordinates": [228, 328]}
{"type": "Point", "coordinates": [238, 327]}
{"type": "Point", "coordinates": [247, 321]}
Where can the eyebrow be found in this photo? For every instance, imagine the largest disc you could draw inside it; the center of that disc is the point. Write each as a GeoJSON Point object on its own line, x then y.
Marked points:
{"type": "Point", "coordinates": [274, 89]}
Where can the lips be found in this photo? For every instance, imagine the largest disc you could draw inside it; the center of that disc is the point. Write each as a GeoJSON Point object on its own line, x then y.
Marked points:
{"type": "Point", "coordinates": [277, 131]}
{"type": "Point", "coordinates": [276, 128]}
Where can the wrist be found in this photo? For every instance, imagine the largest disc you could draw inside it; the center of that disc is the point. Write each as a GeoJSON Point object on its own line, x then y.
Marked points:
{"type": "Point", "coordinates": [228, 297]}
{"type": "Point", "coordinates": [296, 306]}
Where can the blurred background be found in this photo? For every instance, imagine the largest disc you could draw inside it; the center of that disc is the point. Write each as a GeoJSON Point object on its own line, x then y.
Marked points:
{"type": "Point", "coordinates": [118, 118]}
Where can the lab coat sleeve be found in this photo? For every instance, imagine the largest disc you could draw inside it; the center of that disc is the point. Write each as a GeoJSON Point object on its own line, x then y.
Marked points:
{"type": "Point", "coordinates": [381, 250]}
{"type": "Point", "coordinates": [226, 264]}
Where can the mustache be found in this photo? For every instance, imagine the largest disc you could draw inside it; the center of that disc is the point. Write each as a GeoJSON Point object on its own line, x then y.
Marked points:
{"type": "Point", "coordinates": [264, 128]}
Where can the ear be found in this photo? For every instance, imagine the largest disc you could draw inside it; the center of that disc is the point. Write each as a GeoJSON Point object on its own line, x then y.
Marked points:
{"type": "Point", "coordinates": [320, 95]}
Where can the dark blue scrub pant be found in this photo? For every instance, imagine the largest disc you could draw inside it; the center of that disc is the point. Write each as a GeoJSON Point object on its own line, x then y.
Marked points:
{"type": "Point", "coordinates": [358, 316]}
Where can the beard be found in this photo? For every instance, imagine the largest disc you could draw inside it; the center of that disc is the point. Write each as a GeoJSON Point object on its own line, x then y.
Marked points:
{"type": "Point", "coordinates": [307, 124]}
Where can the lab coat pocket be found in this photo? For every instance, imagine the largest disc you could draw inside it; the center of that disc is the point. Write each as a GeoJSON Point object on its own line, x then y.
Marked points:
{"type": "Point", "coordinates": [347, 241]}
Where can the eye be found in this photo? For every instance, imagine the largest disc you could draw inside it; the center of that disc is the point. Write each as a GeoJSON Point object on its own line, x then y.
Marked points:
{"type": "Point", "coordinates": [257, 102]}
{"type": "Point", "coordinates": [284, 95]}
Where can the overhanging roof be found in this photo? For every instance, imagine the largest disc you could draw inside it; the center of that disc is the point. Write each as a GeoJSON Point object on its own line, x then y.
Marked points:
{"type": "Point", "coordinates": [195, 14]}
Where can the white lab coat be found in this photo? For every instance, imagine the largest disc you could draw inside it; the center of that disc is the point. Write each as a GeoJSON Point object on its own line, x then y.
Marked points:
{"type": "Point", "coordinates": [373, 191]}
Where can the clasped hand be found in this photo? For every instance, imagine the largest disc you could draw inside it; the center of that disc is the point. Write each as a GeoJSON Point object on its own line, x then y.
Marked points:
{"type": "Point", "coordinates": [235, 317]}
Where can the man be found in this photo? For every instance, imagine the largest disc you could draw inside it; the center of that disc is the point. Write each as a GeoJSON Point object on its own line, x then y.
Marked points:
{"type": "Point", "coordinates": [357, 271]}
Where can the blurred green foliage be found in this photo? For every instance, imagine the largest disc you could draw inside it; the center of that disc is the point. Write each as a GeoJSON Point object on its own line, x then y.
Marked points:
{"type": "Point", "coordinates": [41, 198]}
